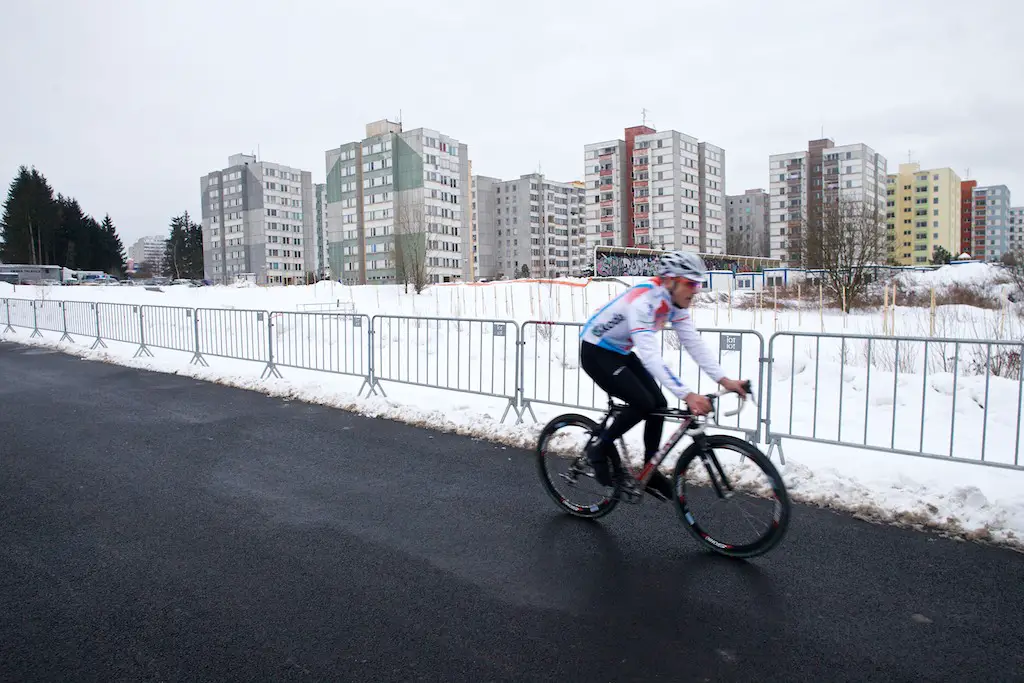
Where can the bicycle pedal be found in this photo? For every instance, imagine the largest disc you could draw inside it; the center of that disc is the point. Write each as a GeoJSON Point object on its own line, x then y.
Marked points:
{"type": "Point", "coordinates": [629, 494]}
{"type": "Point", "coordinates": [658, 495]}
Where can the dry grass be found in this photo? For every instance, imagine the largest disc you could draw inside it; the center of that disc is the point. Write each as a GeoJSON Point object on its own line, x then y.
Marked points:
{"type": "Point", "coordinates": [768, 303]}
{"type": "Point", "coordinates": [874, 298]}
{"type": "Point", "coordinates": [977, 296]}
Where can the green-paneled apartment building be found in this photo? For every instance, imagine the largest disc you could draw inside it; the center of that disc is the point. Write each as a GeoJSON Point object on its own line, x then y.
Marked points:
{"type": "Point", "coordinates": [397, 207]}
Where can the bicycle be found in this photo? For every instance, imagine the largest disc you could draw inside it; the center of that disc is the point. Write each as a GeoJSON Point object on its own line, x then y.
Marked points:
{"type": "Point", "coordinates": [629, 485]}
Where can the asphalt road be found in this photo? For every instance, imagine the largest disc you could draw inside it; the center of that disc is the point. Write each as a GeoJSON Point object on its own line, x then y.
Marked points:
{"type": "Point", "coordinates": [153, 527]}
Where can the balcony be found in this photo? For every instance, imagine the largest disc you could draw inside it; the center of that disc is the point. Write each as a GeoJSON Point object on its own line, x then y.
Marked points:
{"type": "Point", "coordinates": [606, 172]}
{"type": "Point", "coordinates": [607, 219]}
{"type": "Point", "coordinates": [608, 202]}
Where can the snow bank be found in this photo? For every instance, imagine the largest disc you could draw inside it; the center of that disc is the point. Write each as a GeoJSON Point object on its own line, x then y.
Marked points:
{"type": "Point", "coordinates": [964, 500]}
{"type": "Point", "coordinates": [964, 274]}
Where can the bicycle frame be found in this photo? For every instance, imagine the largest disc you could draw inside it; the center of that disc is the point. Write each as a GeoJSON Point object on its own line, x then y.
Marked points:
{"type": "Point", "coordinates": [687, 418]}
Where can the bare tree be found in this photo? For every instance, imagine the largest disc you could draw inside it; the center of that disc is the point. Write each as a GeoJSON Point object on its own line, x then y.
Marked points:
{"type": "Point", "coordinates": [1013, 264]}
{"type": "Point", "coordinates": [411, 248]}
{"type": "Point", "coordinates": [740, 243]}
{"type": "Point", "coordinates": [849, 236]}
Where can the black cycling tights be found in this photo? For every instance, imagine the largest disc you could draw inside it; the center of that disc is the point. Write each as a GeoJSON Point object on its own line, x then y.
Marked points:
{"type": "Point", "coordinates": [626, 378]}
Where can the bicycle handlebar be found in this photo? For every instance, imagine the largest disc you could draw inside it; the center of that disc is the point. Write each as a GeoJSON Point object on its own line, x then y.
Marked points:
{"type": "Point", "coordinates": [743, 399]}
{"type": "Point", "coordinates": [708, 419]}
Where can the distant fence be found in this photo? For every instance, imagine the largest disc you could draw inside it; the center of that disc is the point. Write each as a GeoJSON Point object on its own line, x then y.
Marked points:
{"type": "Point", "coordinates": [923, 396]}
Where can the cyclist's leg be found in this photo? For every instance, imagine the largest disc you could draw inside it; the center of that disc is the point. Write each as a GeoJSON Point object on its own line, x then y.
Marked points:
{"type": "Point", "coordinates": [655, 423]}
{"type": "Point", "coordinates": [658, 482]}
{"type": "Point", "coordinates": [616, 374]}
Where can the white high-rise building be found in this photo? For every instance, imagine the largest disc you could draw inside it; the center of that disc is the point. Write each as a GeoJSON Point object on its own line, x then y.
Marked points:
{"type": "Point", "coordinates": [662, 190]}
{"type": "Point", "coordinates": [322, 267]}
{"type": "Point", "coordinates": [1015, 236]}
{"type": "Point", "coordinates": [607, 211]}
{"type": "Point", "coordinates": [149, 250]}
{"type": "Point", "coordinates": [531, 221]}
{"type": "Point", "coordinates": [991, 222]}
{"type": "Point", "coordinates": [800, 180]}
{"type": "Point", "coordinates": [747, 220]}
{"type": "Point", "coordinates": [398, 200]}
{"type": "Point", "coordinates": [484, 235]}
{"type": "Point", "coordinates": [258, 220]}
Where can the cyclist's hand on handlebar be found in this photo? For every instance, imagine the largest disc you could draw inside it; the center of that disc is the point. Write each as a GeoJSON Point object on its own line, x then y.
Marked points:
{"type": "Point", "coordinates": [738, 386]}
{"type": "Point", "coordinates": [699, 405]}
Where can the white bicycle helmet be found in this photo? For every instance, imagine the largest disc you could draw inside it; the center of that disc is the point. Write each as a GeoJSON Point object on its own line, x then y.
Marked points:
{"type": "Point", "coordinates": [683, 264]}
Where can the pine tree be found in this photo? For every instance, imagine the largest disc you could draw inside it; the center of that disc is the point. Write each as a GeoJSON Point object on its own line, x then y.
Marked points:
{"type": "Point", "coordinates": [76, 245]}
{"type": "Point", "coordinates": [112, 250]}
{"type": "Point", "coordinates": [40, 229]}
{"type": "Point", "coordinates": [183, 250]}
{"type": "Point", "coordinates": [30, 221]}
{"type": "Point", "coordinates": [941, 256]}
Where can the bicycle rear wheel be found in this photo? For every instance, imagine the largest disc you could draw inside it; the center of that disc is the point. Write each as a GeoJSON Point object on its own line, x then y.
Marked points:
{"type": "Point", "coordinates": [568, 477]}
{"type": "Point", "coordinates": [705, 473]}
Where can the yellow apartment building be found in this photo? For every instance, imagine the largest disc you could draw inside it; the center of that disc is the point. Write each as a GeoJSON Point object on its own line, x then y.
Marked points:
{"type": "Point", "coordinates": [922, 213]}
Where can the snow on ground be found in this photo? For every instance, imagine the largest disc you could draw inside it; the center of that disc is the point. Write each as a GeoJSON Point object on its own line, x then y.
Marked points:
{"type": "Point", "coordinates": [964, 274]}
{"type": "Point", "coordinates": [854, 390]}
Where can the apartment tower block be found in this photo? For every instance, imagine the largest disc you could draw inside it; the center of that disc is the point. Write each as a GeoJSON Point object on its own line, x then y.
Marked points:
{"type": "Point", "coordinates": [257, 221]}
{"type": "Point", "coordinates": [661, 190]}
{"type": "Point", "coordinates": [923, 212]}
{"type": "Point", "coordinates": [395, 199]}
{"type": "Point", "coordinates": [802, 181]}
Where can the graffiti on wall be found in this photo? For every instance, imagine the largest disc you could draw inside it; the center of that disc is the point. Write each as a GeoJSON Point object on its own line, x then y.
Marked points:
{"type": "Point", "coordinates": [617, 265]}
{"type": "Point", "coordinates": [646, 265]}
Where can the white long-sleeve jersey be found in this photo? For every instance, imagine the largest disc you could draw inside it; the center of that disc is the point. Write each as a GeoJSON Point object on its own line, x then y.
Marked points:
{"type": "Point", "coordinates": [628, 323]}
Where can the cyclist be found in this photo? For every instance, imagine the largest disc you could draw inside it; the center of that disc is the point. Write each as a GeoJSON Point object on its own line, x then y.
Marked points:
{"type": "Point", "coordinates": [620, 352]}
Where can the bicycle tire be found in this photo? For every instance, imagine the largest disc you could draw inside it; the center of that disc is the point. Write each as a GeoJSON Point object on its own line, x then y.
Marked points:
{"type": "Point", "coordinates": [781, 513]}
{"type": "Point", "coordinates": [586, 511]}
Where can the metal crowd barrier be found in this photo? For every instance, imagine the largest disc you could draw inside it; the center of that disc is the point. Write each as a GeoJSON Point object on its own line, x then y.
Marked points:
{"type": "Point", "coordinates": [921, 396]}
{"type": "Point", "coordinates": [235, 333]}
{"type": "Point", "coordinates": [170, 327]}
{"type": "Point", "coordinates": [475, 356]}
{"type": "Point", "coordinates": [324, 342]}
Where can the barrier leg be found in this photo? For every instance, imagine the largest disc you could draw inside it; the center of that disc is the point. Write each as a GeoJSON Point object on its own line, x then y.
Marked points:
{"type": "Point", "coordinates": [773, 444]}
{"type": "Point", "coordinates": [270, 370]}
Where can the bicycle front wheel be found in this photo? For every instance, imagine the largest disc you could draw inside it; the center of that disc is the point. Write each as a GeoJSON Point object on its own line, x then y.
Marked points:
{"type": "Point", "coordinates": [731, 497]}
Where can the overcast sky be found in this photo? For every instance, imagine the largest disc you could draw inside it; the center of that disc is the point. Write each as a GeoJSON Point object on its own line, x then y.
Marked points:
{"type": "Point", "coordinates": [124, 104]}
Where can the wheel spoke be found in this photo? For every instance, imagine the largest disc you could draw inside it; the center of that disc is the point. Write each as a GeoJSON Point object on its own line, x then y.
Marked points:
{"type": "Point", "coordinates": [704, 503]}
